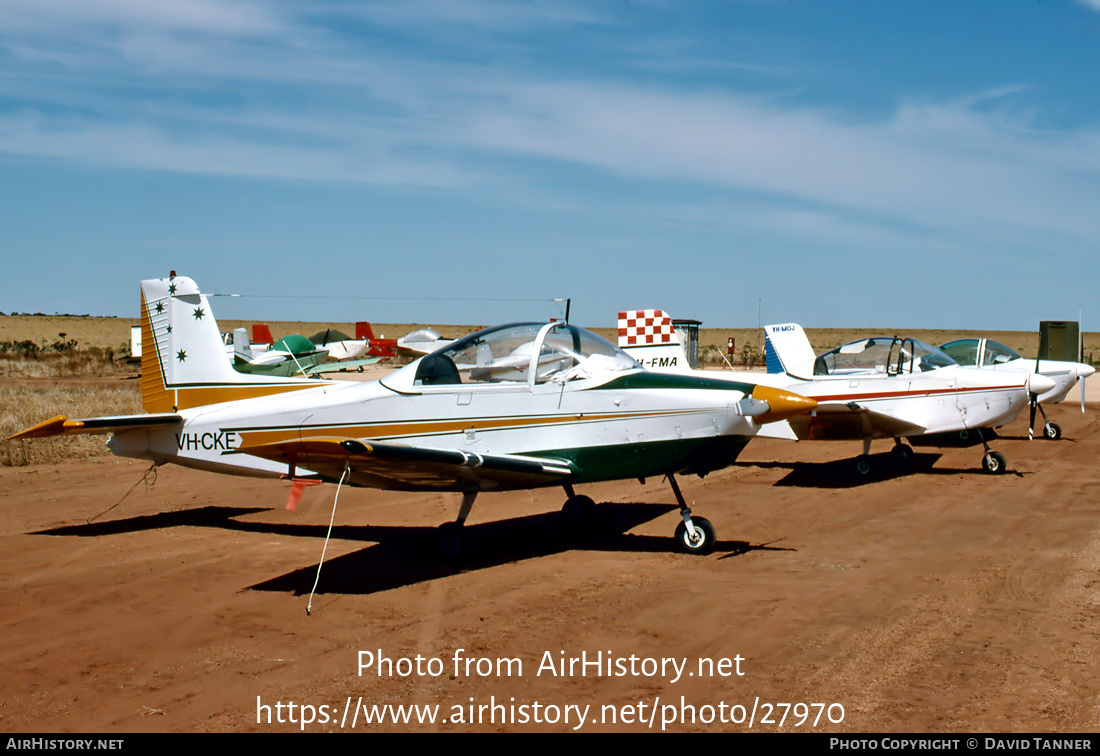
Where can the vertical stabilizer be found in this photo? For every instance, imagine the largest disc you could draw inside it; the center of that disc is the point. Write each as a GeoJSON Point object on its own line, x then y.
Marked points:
{"type": "Point", "coordinates": [648, 337]}
{"type": "Point", "coordinates": [261, 334]}
{"type": "Point", "coordinates": [184, 362]}
{"type": "Point", "coordinates": [787, 350]}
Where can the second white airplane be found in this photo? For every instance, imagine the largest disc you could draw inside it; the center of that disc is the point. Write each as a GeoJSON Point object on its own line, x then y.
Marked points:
{"type": "Point", "coordinates": [869, 389]}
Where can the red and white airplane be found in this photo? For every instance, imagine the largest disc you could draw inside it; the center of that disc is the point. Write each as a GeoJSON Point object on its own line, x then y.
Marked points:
{"type": "Point", "coordinates": [869, 389]}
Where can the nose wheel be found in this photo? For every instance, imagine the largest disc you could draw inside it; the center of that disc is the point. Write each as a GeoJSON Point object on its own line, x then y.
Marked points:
{"type": "Point", "coordinates": [694, 535]}
{"type": "Point", "coordinates": [994, 463]}
{"type": "Point", "coordinates": [699, 540]}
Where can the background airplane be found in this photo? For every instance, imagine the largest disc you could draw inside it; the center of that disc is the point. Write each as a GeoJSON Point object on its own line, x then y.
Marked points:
{"type": "Point", "coordinates": [869, 389]}
{"type": "Point", "coordinates": [292, 355]}
{"type": "Point", "coordinates": [446, 422]}
{"type": "Point", "coordinates": [993, 355]}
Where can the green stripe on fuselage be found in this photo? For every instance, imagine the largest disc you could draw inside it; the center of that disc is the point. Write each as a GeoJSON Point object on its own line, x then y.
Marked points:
{"type": "Point", "coordinates": [650, 380]}
{"type": "Point", "coordinates": [695, 456]}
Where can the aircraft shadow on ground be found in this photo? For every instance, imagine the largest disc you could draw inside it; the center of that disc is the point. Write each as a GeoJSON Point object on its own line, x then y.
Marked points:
{"type": "Point", "coordinates": [406, 555]}
{"type": "Point", "coordinates": [841, 473]}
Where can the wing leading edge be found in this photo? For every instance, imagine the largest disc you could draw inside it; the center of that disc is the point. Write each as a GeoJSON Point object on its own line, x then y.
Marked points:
{"type": "Point", "coordinates": [393, 466]}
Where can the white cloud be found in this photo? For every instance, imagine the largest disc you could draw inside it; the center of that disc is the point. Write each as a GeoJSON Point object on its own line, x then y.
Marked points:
{"type": "Point", "coordinates": [241, 87]}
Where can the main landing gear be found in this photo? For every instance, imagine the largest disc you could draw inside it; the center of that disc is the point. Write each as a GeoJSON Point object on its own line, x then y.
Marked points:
{"type": "Point", "coordinates": [578, 511]}
{"type": "Point", "coordinates": [694, 535]}
{"type": "Point", "coordinates": [902, 454]}
{"type": "Point", "coordinates": [449, 536]}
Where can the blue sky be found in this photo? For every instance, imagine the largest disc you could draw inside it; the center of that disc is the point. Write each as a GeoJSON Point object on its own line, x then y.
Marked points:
{"type": "Point", "coordinates": [880, 164]}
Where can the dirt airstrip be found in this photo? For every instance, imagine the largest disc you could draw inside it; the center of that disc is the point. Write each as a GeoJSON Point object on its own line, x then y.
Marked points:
{"type": "Point", "coordinates": [934, 599]}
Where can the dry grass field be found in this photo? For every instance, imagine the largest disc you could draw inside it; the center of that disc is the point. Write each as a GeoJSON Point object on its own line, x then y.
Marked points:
{"type": "Point", "coordinates": [114, 333]}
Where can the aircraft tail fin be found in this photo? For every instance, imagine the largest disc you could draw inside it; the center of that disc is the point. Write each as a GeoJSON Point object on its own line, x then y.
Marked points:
{"type": "Point", "coordinates": [787, 349]}
{"type": "Point", "coordinates": [261, 334]}
{"type": "Point", "coordinates": [241, 344]}
{"type": "Point", "coordinates": [648, 337]}
{"type": "Point", "coordinates": [363, 331]}
{"type": "Point", "coordinates": [184, 362]}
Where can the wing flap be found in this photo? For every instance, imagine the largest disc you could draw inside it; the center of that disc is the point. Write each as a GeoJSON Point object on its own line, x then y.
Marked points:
{"type": "Point", "coordinates": [59, 425]}
{"type": "Point", "coordinates": [403, 467]}
{"type": "Point", "coordinates": [833, 421]}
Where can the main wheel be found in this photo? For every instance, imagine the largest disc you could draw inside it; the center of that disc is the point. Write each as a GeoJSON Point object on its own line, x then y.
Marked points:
{"type": "Point", "coordinates": [702, 543]}
{"type": "Point", "coordinates": [902, 454]}
{"type": "Point", "coordinates": [578, 510]}
{"type": "Point", "coordinates": [449, 540]}
{"type": "Point", "coordinates": [994, 463]}
{"type": "Point", "coordinates": [1052, 431]}
{"type": "Point", "coordinates": [863, 465]}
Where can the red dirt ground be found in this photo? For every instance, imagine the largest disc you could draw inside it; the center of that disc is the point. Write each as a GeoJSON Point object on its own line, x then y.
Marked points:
{"type": "Point", "coordinates": [938, 599]}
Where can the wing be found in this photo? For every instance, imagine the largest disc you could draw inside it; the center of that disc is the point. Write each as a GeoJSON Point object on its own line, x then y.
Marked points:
{"type": "Point", "coordinates": [346, 366]}
{"type": "Point", "coordinates": [59, 425]}
{"type": "Point", "coordinates": [834, 421]}
{"type": "Point", "coordinates": [375, 464]}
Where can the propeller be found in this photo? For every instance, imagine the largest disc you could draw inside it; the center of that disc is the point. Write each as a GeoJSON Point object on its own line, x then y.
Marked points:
{"type": "Point", "coordinates": [1081, 357]}
{"type": "Point", "coordinates": [1034, 400]}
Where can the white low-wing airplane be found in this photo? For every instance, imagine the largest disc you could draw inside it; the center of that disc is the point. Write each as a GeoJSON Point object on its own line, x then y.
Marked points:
{"type": "Point", "coordinates": [422, 341]}
{"type": "Point", "coordinates": [993, 355]}
{"type": "Point", "coordinates": [449, 421]}
{"type": "Point", "coordinates": [275, 359]}
{"type": "Point", "coordinates": [872, 388]}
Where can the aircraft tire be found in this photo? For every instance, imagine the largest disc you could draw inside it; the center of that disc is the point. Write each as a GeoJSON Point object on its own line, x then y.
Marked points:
{"type": "Point", "coordinates": [902, 454]}
{"type": "Point", "coordinates": [578, 510]}
{"type": "Point", "coordinates": [704, 542]}
{"type": "Point", "coordinates": [1052, 431]}
{"type": "Point", "coordinates": [994, 463]}
{"type": "Point", "coordinates": [449, 540]}
{"type": "Point", "coordinates": [863, 465]}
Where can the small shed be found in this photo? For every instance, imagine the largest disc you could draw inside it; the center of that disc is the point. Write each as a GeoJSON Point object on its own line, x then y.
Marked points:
{"type": "Point", "coordinates": [688, 331]}
{"type": "Point", "coordinates": [1059, 340]}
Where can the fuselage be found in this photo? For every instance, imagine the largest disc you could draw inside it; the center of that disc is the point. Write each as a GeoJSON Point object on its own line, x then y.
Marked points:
{"type": "Point", "coordinates": [943, 400]}
{"type": "Point", "coordinates": [634, 424]}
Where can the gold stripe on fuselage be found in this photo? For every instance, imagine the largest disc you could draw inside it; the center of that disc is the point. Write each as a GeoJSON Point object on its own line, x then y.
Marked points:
{"type": "Point", "coordinates": [260, 436]}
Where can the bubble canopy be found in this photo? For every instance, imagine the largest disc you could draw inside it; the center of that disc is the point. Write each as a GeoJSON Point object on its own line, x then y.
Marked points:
{"type": "Point", "coordinates": [965, 352]}
{"type": "Point", "coordinates": [516, 355]}
{"type": "Point", "coordinates": [884, 355]}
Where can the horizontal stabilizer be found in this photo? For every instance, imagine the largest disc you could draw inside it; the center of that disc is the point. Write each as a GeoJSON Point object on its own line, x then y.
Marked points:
{"type": "Point", "coordinates": [59, 425]}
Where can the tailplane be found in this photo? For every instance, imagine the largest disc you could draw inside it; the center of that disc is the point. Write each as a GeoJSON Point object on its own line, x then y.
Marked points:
{"type": "Point", "coordinates": [648, 337]}
{"type": "Point", "coordinates": [184, 362]}
{"type": "Point", "coordinates": [787, 350]}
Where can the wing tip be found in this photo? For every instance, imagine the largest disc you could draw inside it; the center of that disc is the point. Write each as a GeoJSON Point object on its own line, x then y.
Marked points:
{"type": "Point", "coordinates": [55, 426]}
